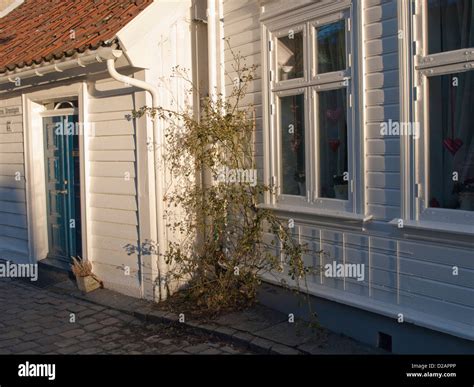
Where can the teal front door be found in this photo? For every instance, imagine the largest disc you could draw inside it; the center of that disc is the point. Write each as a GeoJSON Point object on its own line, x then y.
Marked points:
{"type": "Point", "coordinates": [62, 168]}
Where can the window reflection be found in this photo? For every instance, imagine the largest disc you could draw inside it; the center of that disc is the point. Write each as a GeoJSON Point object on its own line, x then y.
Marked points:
{"type": "Point", "coordinates": [293, 145]}
{"type": "Point", "coordinates": [450, 25]}
{"type": "Point", "coordinates": [333, 155]}
{"type": "Point", "coordinates": [331, 47]}
{"type": "Point", "coordinates": [451, 141]}
{"type": "Point", "coordinates": [290, 56]}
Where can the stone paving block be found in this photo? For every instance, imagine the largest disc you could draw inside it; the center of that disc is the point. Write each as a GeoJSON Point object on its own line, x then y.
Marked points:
{"type": "Point", "coordinates": [86, 320]}
{"type": "Point", "coordinates": [107, 330]}
{"type": "Point", "coordinates": [132, 346]}
{"type": "Point", "coordinates": [66, 343]}
{"type": "Point", "coordinates": [286, 333]}
{"type": "Point", "coordinates": [158, 316]}
{"type": "Point", "coordinates": [120, 337]}
{"type": "Point", "coordinates": [89, 351]}
{"type": "Point", "coordinates": [93, 327]}
{"type": "Point", "coordinates": [28, 325]}
{"type": "Point", "coordinates": [242, 337]}
{"type": "Point", "coordinates": [87, 336]}
{"type": "Point", "coordinates": [33, 336]}
{"type": "Point", "coordinates": [72, 333]}
{"type": "Point", "coordinates": [110, 346]}
{"type": "Point", "coordinates": [195, 349]}
{"type": "Point", "coordinates": [55, 331]}
{"type": "Point", "coordinates": [225, 332]}
{"type": "Point", "coordinates": [113, 312]}
{"type": "Point", "coordinates": [262, 344]}
{"type": "Point", "coordinates": [229, 350]}
{"type": "Point", "coordinates": [12, 334]}
{"type": "Point", "coordinates": [125, 318]}
{"type": "Point", "coordinates": [85, 313]}
{"type": "Point", "coordinates": [166, 349]}
{"type": "Point", "coordinates": [252, 320]}
{"type": "Point", "coordinates": [284, 350]}
{"type": "Point", "coordinates": [211, 351]}
{"type": "Point", "coordinates": [47, 340]}
{"type": "Point", "coordinates": [29, 345]}
{"type": "Point", "coordinates": [109, 321]}
{"type": "Point", "coordinates": [73, 349]}
{"type": "Point", "coordinates": [13, 311]}
{"type": "Point", "coordinates": [31, 328]}
{"type": "Point", "coordinates": [153, 339]}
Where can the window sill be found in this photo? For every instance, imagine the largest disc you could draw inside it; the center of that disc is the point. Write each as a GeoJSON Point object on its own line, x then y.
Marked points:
{"type": "Point", "coordinates": [319, 216]}
{"type": "Point", "coordinates": [442, 229]}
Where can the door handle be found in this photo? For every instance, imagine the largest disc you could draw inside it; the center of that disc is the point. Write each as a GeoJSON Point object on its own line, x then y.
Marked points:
{"type": "Point", "coordinates": [61, 192]}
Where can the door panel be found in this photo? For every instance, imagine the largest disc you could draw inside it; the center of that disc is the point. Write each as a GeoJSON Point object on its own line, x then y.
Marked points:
{"type": "Point", "coordinates": [63, 188]}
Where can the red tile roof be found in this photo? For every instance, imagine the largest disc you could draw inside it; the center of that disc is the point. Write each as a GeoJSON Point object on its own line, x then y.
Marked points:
{"type": "Point", "coordinates": [41, 30]}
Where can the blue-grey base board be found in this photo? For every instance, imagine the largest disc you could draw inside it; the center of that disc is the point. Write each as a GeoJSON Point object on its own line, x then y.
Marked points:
{"type": "Point", "coordinates": [364, 326]}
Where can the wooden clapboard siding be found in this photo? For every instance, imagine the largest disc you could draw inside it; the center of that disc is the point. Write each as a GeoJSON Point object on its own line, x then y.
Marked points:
{"type": "Point", "coordinates": [14, 232]}
{"type": "Point", "coordinates": [111, 268]}
{"type": "Point", "coordinates": [113, 208]}
{"type": "Point", "coordinates": [124, 231]}
{"type": "Point", "coordinates": [242, 29]}
{"type": "Point", "coordinates": [113, 128]}
{"type": "Point", "coordinates": [118, 202]}
{"type": "Point", "coordinates": [382, 105]}
{"type": "Point", "coordinates": [110, 243]}
{"type": "Point", "coordinates": [407, 275]}
{"type": "Point", "coordinates": [13, 224]}
{"type": "Point", "coordinates": [112, 169]}
{"type": "Point", "coordinates": [13, 220]}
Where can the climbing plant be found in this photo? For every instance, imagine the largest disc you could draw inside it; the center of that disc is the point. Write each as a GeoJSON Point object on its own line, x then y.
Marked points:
{"type": "Point", "coordinates": [224, 241]}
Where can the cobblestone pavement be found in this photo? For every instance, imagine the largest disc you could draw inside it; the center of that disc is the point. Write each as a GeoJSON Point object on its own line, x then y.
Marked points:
{"type": "Point", "coordinates": [37, 321]}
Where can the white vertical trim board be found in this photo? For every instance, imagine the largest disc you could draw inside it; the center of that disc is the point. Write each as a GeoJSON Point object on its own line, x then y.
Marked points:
{"type": "Point", "coordinates": [88, 131]}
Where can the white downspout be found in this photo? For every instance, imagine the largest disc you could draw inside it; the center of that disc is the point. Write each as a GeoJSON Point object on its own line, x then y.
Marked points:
{"type": "Point", "coordinates": [212, 48]}
{"type": "Point", "coordinates": [158, 230]}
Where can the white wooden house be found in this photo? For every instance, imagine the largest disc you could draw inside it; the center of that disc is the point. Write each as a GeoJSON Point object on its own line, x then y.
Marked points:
{"type": "Point", "coordinates": [83, 66]}
{"type": "Point", "coordinates": [378, 171]}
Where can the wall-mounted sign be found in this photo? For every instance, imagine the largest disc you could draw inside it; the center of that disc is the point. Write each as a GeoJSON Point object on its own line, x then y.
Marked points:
{"type": "Point", "coordinates": [9, 111]}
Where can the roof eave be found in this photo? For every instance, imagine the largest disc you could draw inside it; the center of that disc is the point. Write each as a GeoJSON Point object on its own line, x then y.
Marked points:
{"type": "Point", "coordinates": [56, 66]}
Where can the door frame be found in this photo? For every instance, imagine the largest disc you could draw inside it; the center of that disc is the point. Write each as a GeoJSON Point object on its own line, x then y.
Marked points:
{"type": "Point", "coordinates": [33, 113]}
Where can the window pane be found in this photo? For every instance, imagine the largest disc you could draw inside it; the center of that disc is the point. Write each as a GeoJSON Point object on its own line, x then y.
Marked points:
{"type": "Point", "coordinates": [290, 56]}
{"type": "Point", "coordinates": [331, 47]}
{"type": "Point", "coordinates": [451, 144]}
{"type": "Point", "coordinates": [333, 176]}
{"type": "Point", "coordinates": [293, 168]}
{"type": "Point", "coordinates": [450, 25]}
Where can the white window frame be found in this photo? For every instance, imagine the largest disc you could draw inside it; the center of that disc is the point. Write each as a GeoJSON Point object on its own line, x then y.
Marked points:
{"type": "Point", "coordinates": [317, 15]}
{"type": "Point", "coordinates": [417, 154]}
{"type": "Point", "coordinates": [295, 82]}
{"type": "Point", "coordinates": [334, 75]}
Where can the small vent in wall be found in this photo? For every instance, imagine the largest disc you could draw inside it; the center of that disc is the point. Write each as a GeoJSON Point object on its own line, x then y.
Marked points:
{"type": "Point", "coordinates": [384, 342]}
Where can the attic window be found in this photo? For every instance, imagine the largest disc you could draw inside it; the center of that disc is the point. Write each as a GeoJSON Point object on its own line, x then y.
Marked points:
{"type": "Point", "coordinates": [61, 104]}
{"type": "Point", "coordinates": [65, 105]}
